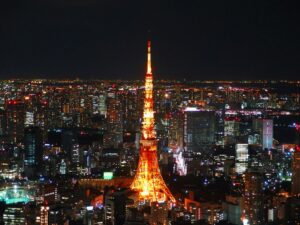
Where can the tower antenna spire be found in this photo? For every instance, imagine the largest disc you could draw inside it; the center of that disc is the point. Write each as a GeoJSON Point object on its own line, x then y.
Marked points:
{"type": "Point", "coordinates": [149, 67]}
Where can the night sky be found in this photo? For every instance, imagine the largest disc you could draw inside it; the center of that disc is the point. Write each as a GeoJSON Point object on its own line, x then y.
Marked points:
{"type": "Point", "coordinates": [192, 39]}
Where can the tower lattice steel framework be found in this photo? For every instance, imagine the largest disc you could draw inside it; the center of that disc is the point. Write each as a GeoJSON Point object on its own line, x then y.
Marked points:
{"type": "Point", "coordinates": [148, 181]}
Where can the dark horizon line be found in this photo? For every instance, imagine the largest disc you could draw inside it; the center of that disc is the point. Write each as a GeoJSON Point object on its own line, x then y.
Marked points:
{"type": "Point", "coordinates": [157, 79]}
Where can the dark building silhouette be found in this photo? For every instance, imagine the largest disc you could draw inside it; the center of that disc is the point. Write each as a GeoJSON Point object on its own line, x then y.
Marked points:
{"type": "Point", "coordinates": [33, 156]}
{"type": "Point", "coordinates": [2, 209]}
{"type": "Point", "coordinates": [253, 197]}
{"type": "Point", "coordinates": [15, 116]}
{"type": "Point", "coordinates": [199, 129]}
{"type": "Point", "coordinates": [292, 211]}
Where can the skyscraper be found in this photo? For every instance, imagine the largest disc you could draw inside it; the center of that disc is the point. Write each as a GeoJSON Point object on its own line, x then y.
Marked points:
{"type": "Point", "coordinates": [14, 214]}
{"type": "Point", "coordinates": [114, 120]}
{"type": "Point", "coordinates": [241, 158]}
{"type": "Point", "coordinates": [199, 129]}
{"type": "Point", "coordinates": [253, 198]}
{"type": "Point", "coordinates": [148, 181]}
{"type": "Point", "coordinates": [265, 129]}
{"type": "Point", "coordinates": [231, 129]}
{"type": "Point", "coordinates": [15, 116]}
{"type": "Point", "coordinates": [44, 211]}
{"type": "Point", "coordinates": [33, 149]}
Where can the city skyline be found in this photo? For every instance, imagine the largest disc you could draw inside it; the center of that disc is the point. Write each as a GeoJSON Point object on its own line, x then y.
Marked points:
{"type": "Point", "coordinates": [204, 153]}
{"type": "Point", "coordinates": [194, 40]}
{"type": "Point", "coordinates": [149, 113]}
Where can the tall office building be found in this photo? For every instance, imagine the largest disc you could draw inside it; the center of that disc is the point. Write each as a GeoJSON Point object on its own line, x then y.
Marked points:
{"type": "Point", "coordinates": [130, 110]}
{"type": "Point", "coordinates": [159, 213]}
{"type": "Point", "coordinates": [253, 198]}
{"type": "Point", "coordinates": [41, 115]}
{"type": "Point", "coordinates": [233, 209]}
{"type": "Point", "coordinates": [14, 214]}
{"type": "Point", "coordinates": [68, 141]}
{"type": "Point", "coordinates": [2, 122]}
{"type": "Point", "coordinates": [75, 154]}
{"type": "Point", "coordinates": [15, 117]}
{"type": "Point", "coordinates": [292, 211]}
{"type": "Point", "coordinates": [115, 207]}
{"type": "Point", "coordinates": [102, 104]}
{"type": "Point", "coordinates": [241, 158]}
{"type": "Point", "coordinates": [29, 119]}
{"type": "Point", "coordinates": [44, 212]}
{"type": "Point", "coordinates": [175, 138]}
{"type": "Point", "coordinates": [33, 149]}
{"type": "Point", "coordinates": [296, 173]}
{"type": "Point", "coordinates": [231, 129]}
{"type": "Point", "coordinates": [199, 129]}
{"type": "Point", "coordinates": [56, 215]}
{"type": "Point", "coordinates": [114, 120]}
{"type": "Point", "coordinates": [265, 129]}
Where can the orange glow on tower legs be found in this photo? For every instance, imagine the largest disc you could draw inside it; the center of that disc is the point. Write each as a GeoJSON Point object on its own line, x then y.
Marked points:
{"type": "Point", "coordinates": [148, 181]}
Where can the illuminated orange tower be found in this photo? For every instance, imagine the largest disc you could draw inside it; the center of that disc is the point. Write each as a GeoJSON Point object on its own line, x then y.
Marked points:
{"type": "Point", "coordinates": [148, 181]}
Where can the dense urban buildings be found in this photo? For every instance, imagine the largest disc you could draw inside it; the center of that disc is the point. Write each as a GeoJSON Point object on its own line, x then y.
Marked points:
{"type": "Point", "coordinates": [149, 152]}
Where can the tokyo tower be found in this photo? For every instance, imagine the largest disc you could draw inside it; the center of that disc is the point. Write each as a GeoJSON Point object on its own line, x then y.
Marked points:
{"type": "Point", "coordinates": [148, 181]}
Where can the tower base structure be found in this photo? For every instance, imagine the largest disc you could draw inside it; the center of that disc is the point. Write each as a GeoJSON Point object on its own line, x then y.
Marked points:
{"type": "Point", "coordinates": [148, 181]}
